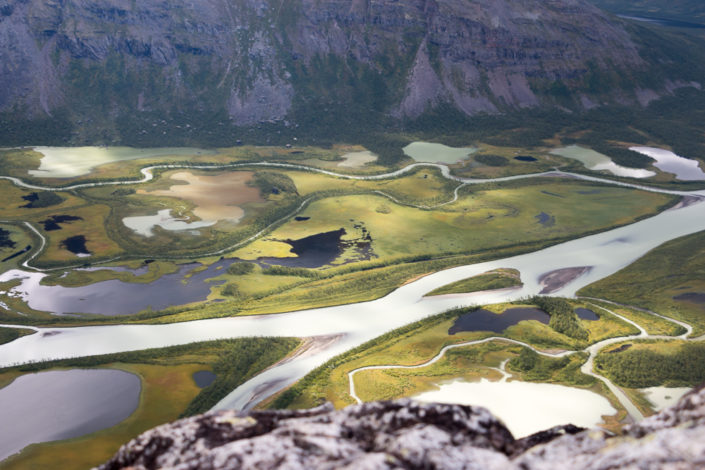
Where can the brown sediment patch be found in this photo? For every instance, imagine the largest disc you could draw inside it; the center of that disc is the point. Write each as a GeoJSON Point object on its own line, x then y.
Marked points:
{"type": "Point", "coordinates": [554, 280]}
{"type": "Point", "coordinates": [687, 201]}
{"type": "Point", "coordinates": [217, 197]}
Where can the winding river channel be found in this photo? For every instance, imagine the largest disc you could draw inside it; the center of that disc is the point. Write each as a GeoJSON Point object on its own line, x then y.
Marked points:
{"type": "Point", "coordinates": [346, 326]}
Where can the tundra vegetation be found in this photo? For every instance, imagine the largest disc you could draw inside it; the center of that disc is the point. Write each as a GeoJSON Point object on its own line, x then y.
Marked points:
{"type": "Point", "coordinates": [392, 230]}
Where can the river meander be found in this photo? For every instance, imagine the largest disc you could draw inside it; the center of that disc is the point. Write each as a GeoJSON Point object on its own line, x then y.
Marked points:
{"type": "Point", "coordinates": [605, 253]}
{"type": "Point", "coordinates": [347, 326]}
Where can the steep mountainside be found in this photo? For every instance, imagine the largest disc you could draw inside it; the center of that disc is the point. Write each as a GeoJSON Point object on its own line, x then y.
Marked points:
{"type": "Point", "coordinates": [122, 66]}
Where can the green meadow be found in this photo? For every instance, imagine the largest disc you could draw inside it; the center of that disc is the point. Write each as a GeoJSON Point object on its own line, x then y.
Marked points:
{"type": "Point", "coordinates": [419, 342]}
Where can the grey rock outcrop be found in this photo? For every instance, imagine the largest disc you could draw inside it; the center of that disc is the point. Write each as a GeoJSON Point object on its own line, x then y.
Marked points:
{"type": "Point", "coordinates": [407, 434]}
{"type": "Point", "coordinates": [263, 60]}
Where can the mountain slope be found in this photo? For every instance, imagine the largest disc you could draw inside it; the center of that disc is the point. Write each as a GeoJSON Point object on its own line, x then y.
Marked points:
{"type": "Point", "coordinates": [115, 68]}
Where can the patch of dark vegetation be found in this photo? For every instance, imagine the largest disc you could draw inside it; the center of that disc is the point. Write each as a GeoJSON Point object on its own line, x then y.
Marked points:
{"type": "Point", "coordinates": [563, 319]}
{"type": "Point", "coordinates": [231, 290]}
{"type": "Point", "coordinates": [546, 220]}
{"type": "Point", "coordinates": [76, 245]}
{"type": "Point", "coordinates": [240, 268]}
{"type": "Point", "coordinates": [19, 253]}
{"type": "Point", "coordinates": [535, 366]}
{"type": "Point", "coordinates": [484, 320]}
{"type": "Point", "coordinates": [42, 199]}
{"type": "Point", "coordinates": [52, 223]}
{"type": "Point", "coordinates": [548, 193]}
{"type": "Point", "coordinates": [10, 334]}
{"type": "Point", "coordinates": [620, 349]}
{"type": "Point", "coordinates": [525, 158]}
{"type": "Point", "coordinates": [5, 240]}
{"type": "Point", "coordinates": [269, 182]}
{"type": "Point", "coordinates": [491, 160]}
{"type": "Point", "coordinates": [679, 366]}
{"type": "Point", "coordinates": [123, 192]}
{"type": "Point", "coordinates": [622, 156]}
{"type": "Point", "coordinates": [290, 271]}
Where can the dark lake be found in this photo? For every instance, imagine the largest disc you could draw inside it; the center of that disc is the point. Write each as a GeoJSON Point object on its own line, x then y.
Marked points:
{"type": "Point", "coordinates": [323, 248]}
{"type": "Point", "coordinates": [525, 158]}
{"type": "Point", "coordinates": [55, 405]}
{"type": "Point", "coordinates": [52, 223]}
{"type": "Point", "coordinates": [204, 378]}
{"type": "Point", "coordinates": [586, 314]}
{"type": "Point", "coordinates": [115, 297]}
{"type": "Point", "coordinates": [76, 245]}
{"type": "Point", "coordinates": [484, 320]}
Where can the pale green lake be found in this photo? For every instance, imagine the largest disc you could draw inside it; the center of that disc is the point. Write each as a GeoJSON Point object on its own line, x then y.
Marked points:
{"type": "Point", "coordinates": [437, 153]}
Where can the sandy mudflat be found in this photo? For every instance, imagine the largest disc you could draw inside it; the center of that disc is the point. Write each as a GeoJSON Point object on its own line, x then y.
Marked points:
{"type": "Point", "coordinates": [554, 280]}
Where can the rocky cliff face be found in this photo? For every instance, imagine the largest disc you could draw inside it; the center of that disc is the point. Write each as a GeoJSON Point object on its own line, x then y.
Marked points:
{"type": "Point", "coordinates": [405, 434]}
{"type": "Point", "coordinates": [269, 60]}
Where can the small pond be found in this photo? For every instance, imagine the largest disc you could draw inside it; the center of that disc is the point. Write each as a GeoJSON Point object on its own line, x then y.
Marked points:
{"type": "Point", "coordinates": [56, 405]}
{"type": "Point", "coordinates": [596, 161]}
{"type": "Point", "coordinates": [526, 408]}
{"type": "Point", "coordinates": [546, 220]}
{"type": "Point", "coordinates": [484, 320]}
{"type": "Point", "coordinates": [76, 245]}
{"type": "Point", "coordinates": [54, 221]}
{"type": "Point", "coordinates": [694, 297]}
{"type": "Point", "coordinates": [586, 314]}
{"type": "Point", "coordinates": [437, 153]}
{"type": "Point", "coordinates": [525, 158]}
{"type": "Point", "coordinates": [203, 378]}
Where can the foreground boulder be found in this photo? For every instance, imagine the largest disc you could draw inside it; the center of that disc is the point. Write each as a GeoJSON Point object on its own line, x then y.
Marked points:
{"type": "Point", "coordinates": [407, 434]}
